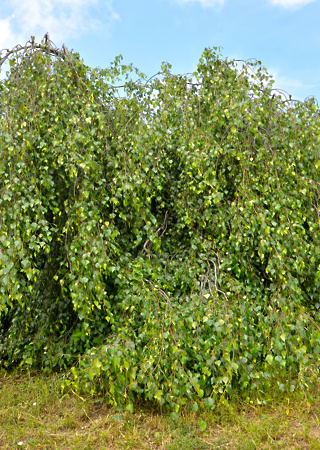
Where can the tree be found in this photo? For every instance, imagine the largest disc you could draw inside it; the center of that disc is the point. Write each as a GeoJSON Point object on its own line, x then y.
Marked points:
{"type": "Point", "coordinates": [158, 237]}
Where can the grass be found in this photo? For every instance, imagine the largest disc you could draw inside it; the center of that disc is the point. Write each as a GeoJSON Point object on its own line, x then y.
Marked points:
{"type": "Point", "coordinates": [35, 414]}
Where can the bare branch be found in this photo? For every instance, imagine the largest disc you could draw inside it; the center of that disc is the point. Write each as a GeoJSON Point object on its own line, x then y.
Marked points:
{"type": "Point", "coordinates": [46, 46]}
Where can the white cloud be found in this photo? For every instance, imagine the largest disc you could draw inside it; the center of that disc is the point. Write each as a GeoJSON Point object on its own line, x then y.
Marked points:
{"type": "Point", "coordinates": [63, 19]}
{"type": "Point", "coordinates": [293, 4]}
{"type": "Point", "coordinates": [204, 3]}
{"type": "Point", "coordinates": [288, 84]}
{"type": "Point", "coordinates": [283, 81]}
{"type": "Point", "coordinates": [5, 32]}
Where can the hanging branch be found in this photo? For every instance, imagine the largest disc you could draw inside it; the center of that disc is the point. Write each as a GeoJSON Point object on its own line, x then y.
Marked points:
{"type": "Point", "coordinates": [46, 46]}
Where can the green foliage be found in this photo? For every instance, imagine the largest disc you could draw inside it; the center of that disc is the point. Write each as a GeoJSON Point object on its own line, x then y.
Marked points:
{"type": "Point", "coordinates": [159, 237]}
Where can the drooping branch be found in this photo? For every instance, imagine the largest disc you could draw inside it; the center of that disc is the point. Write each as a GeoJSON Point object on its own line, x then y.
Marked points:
{"type": "Point", "coordinates": [46, 46]}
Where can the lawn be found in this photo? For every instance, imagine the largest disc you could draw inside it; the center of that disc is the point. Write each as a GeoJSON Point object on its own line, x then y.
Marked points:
{"type": "Point", "coordinates": [35, 413]}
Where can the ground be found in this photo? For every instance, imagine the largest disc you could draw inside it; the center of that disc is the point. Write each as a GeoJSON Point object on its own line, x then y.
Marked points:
{"type": "Point", "coordinates": [34, 413]}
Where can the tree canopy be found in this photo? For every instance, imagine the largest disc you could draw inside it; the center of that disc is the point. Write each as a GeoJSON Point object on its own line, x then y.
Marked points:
{"type": "Point", "coordinates": [159, 238]}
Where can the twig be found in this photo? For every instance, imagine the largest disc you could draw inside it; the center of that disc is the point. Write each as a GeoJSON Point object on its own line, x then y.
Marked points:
{"type": "Point", "coordinates": [32, 45]}
{"type": "Point", "coordinates": [163, 227]}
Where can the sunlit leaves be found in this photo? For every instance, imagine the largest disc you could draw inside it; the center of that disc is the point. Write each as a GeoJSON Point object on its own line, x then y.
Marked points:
{"type": "Point", "coordinates": [160, 237]}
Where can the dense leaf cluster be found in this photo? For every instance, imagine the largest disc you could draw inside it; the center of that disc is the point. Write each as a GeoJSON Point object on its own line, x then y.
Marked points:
{"type": "Point", "coordinates": [160, 238]}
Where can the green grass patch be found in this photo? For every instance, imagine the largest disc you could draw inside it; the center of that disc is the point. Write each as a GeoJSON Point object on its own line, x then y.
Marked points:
{"type": "Point", "coordinates": [36, 413]}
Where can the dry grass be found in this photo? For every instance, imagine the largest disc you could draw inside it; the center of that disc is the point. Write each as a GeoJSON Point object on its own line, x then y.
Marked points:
{"type": "Point", "coordinates": [35, 414]}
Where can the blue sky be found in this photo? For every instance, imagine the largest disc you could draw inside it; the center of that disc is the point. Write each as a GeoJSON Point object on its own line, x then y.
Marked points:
{"type": "Point", "coordinates": [283, 34]}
